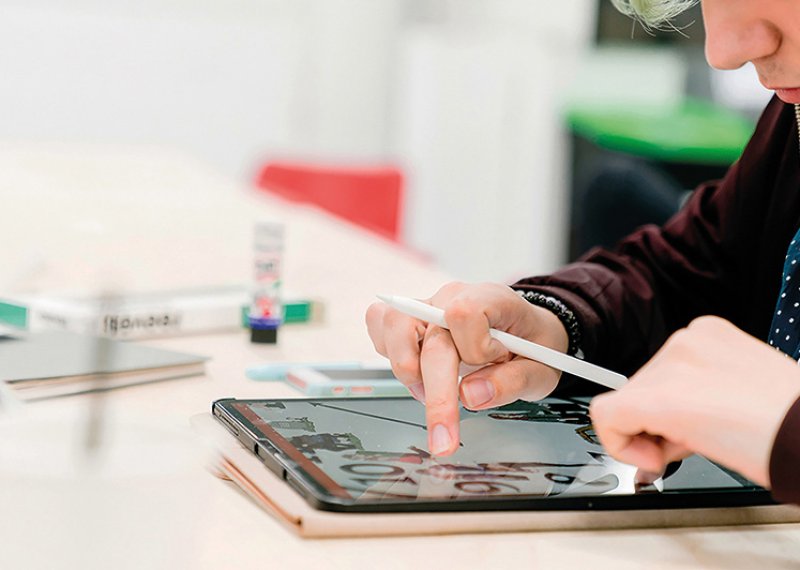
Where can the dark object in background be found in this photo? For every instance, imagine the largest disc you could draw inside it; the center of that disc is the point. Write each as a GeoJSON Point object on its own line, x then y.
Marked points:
{"type": "Point", "coordinates": [619, 153]}
{"type": "Point", "coordinates": [622, 195]}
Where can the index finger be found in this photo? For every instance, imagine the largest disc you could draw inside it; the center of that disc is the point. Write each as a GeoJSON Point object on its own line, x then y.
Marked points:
{"type": "Point", "coordinates": [439, 361]}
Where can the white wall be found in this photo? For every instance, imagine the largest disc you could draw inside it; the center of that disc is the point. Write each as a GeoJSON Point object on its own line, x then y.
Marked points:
{"type": "Point", "coordinates": [480, 134]}
{"type": "Point", "coordinates": [463, 93]}
{"type": "Point", "coordinates": [344, 79]}
{"type": "Point", "coordinates": [231, 81]}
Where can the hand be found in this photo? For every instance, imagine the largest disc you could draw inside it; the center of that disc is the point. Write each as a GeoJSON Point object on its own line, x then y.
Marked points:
{"type": "Point", "coordinates": [711, 389]}
{"type": "Point", "coordinates": [426, 358]}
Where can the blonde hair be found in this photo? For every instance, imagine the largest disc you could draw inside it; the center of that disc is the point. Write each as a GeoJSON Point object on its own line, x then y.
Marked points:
{"type": "Point", "coordinates": [653, 13]}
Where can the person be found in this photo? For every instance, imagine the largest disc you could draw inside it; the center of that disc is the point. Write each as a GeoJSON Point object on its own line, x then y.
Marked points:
{"type": "Point", "coordinates": [694, 309]}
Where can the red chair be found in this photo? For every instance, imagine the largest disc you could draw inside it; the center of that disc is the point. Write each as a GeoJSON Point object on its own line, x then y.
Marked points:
{"type": "Point", "coordinates": [369, 197]}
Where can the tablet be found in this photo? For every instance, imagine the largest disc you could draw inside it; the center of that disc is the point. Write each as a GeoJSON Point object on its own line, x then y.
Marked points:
{"type": "Point", "coordinates": [370, 455]}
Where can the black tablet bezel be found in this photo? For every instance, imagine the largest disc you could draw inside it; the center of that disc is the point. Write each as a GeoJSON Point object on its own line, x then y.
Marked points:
{"type": "Point", "coordinates": [323, 493]}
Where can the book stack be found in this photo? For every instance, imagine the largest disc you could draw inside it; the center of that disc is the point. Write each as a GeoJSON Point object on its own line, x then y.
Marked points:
{"type": "Point", "coordinates": [37, 366]}
{"type": "Point", "coordinates": [146, 315]}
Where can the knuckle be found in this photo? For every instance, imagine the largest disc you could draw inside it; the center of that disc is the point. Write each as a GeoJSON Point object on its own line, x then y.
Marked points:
{"type": "Point", "coordinates": [685, 348]}
{"type": "Point", "coordinates": [454, 286]}
{"type": "Point", "coordinates": [679, 340]}
{"type": "Point", "coordinates": [376, 336]}
{"type": "Point", "coordinates": [505, 391]}
{"type": "Point", "coordinates": [450, 289]}
{"type": "Point", "coordinates": [393, 319]}
{"type": "Point", "coordinates": [439, 404]}
{"type": "Point", "coordinates": [512, 383]}
{"type": "Point", "coordinates": [489, 287]}
{"type": "Point", "coordinates": [478, 352]}
{"type": "Point", "coordinates": [541, 387]}
{"type": "Point", "coordinates": [599, 411]}
{"type": "Point", "coordinates": [435, 338]}
{"type": "Point", "coordinates": [379, 346]}
{"type": "Point", "coordinates": [471, 359]}
{"type": "Point", "coordinates": [406, 369]}
{"type": "Point", "coordinates": [707, 323]}
{"type": "Point", "coordinates": [374, 313]}
{"type": "Point", "coordinates": [458, 311]}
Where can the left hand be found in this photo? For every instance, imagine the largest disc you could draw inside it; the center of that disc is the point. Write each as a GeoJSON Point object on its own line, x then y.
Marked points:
{"type": "Point", "coordinates": [427, 359]}
{"type": "Point", "coordinates": [711, 389]}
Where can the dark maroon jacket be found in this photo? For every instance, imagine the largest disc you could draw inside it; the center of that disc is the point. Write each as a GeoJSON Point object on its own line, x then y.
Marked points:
{"type": "Point", "coordinates": [722, 254]}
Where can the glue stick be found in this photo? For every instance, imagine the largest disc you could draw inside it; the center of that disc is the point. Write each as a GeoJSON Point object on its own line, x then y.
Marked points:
{"type": "Point", "coordinates": [266, 311]}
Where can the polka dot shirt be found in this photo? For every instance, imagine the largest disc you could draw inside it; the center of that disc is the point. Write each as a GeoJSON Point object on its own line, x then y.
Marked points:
{"type": "Point", "coordinates": [785, 332]}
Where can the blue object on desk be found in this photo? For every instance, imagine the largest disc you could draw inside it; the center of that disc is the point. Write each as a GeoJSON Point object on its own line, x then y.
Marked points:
{"type": "Point", "coordinates": [277, 370]}
{"type": "Point", "coordinates": [264, 330]}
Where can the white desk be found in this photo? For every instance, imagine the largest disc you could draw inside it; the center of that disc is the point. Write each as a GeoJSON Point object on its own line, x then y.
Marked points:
{"type": "Point", "coordinates": [149, 220]}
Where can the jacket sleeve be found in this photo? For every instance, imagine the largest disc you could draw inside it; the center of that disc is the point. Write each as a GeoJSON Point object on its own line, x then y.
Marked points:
{"type": "Point", "coordinates": [629, 299]}
{"type": "Point", "coordinates": [784, 462]}
{"type": "Point", "coordinates": [655, 281]}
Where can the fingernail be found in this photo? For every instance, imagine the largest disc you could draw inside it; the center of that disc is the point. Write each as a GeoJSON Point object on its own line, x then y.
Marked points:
{"type": "Point", "coordinates": [418, 391]}
{"type": "Point", "coordinates": [440, 440]}
{"type": "Point", "coordinates": [477, 392]}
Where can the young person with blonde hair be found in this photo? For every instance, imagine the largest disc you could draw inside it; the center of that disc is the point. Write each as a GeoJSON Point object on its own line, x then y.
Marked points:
{"type": "Point", "coordinates": [704, 311]}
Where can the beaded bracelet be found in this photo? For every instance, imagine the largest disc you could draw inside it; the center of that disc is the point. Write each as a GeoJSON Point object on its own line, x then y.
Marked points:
{"type": "Point", "coordinates": [564, 314]}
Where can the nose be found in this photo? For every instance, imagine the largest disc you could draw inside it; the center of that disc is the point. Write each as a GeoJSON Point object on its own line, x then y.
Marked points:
{"type": "Point", "coordinates": [734, 36]}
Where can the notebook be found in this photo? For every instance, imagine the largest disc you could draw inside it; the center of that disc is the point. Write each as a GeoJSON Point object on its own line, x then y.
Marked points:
{"type": "Point", "coordinates": [58, 363]}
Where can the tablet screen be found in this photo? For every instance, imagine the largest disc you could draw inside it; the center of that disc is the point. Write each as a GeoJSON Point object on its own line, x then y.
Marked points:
{"type": "Point", "coordinates": [373, 450]}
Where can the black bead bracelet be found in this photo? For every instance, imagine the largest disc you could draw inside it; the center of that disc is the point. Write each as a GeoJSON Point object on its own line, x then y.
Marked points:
{"type": "Point", "coordinates": [560, 310]}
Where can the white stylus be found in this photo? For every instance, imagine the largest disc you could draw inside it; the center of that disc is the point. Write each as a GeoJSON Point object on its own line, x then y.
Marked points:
{"type": "Point", "coordinates": [522, 347]}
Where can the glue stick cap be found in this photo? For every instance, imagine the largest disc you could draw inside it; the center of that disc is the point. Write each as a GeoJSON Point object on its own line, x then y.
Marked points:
{"type": "Point", "coordinates": [264, 330]}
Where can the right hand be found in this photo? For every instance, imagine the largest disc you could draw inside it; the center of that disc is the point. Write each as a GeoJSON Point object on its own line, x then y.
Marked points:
{"type": "Point", "coordinates": [427, 358]}
{"type": "Point", "coordinates": [711, 389]}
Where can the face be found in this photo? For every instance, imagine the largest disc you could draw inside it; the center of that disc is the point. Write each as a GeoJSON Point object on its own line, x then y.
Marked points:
{"type": "Point", "coordinates": [764, 32]}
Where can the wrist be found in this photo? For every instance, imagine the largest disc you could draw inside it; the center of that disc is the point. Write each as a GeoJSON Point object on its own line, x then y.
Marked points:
{"type": "Point", "coordinates": [784, 457]}
{"type": "Point", "coordinates": [559, 318]}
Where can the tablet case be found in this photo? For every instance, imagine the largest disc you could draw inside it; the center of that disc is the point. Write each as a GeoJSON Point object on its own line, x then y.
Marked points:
{"type": "Point", "coordinates": [232, 461]}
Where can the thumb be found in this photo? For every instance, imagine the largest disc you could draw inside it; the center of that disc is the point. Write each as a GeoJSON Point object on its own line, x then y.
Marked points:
{"type": "Point", "coordinates": [644, 451]}
{"type": "Point", "coordinates": [499, 384]}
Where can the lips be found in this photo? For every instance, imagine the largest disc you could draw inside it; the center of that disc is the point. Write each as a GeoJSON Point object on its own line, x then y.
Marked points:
{"type": "Point", "coordinates": [788, 94]}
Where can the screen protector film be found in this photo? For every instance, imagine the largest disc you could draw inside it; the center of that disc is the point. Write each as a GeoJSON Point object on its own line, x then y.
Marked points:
{"type": "Point", "coordinates": [375, 450]}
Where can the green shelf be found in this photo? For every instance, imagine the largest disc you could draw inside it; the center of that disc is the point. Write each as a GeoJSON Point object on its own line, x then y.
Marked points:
{"type": "Point", "coordinates": [694, 132]}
